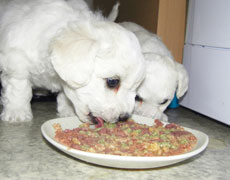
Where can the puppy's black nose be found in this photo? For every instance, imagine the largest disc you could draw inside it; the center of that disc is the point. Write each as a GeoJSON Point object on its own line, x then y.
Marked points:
{"type": "Point", "coordinates": [124, 117]}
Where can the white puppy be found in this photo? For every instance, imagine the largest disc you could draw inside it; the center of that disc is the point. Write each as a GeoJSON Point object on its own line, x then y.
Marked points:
{"type": "Point", "coordinates": [164, 76]}
{"type": "Point", "coordinates": [96, 65]}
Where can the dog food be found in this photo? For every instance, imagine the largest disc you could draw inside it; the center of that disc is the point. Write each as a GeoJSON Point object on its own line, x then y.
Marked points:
{"type": "Point", "coordinates": [128, 139]}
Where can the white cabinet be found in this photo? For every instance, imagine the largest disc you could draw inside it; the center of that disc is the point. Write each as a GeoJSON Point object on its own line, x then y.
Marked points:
{"type": "Point", "coordinates": [209, 86]}
{"type": "Point", "coordinates": [207, 58]}
{"type": "Point", "coordinates": [208, 23]}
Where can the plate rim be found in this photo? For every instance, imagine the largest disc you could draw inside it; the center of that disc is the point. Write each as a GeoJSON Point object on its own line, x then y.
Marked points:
{"type": "Point", "coordinates": [64, 148]}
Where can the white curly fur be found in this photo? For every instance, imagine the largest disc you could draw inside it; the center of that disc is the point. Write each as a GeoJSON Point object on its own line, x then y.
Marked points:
{"type": "Point", "coordinates": [63, 47]}
{"type": "Point", "coordinates": [164, 76]}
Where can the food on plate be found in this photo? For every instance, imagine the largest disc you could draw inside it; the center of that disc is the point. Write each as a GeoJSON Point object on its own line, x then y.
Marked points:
{"type": "Point", "coordinates": [128, 139]}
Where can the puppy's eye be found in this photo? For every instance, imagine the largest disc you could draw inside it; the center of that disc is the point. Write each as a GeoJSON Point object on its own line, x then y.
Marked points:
{"type": "Point", "coordinates": [138, 98]}
{"type": "Point", "coordinates": [164, 102]}
{"type": "Point", "coordinates": [112, 82]}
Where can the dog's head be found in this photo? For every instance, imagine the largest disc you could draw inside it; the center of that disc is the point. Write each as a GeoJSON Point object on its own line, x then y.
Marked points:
{"type": "Point", "coordinates": [101, 66]}
{"type": "Point", "coordinates": [164, 77]}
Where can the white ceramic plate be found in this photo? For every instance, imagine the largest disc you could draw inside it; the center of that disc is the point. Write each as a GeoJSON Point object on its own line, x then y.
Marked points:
{"type": "Point", "coordinates": [127, 162]}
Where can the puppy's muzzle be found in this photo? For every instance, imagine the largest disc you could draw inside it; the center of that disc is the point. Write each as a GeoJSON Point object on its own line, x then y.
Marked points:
{"type": "Point", "coordinates": [124, 117]}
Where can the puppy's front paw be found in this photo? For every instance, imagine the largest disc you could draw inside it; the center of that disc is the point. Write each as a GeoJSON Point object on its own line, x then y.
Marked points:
{"type": "Point", "coordinates": [64, 106]}
{"type": "Point", "coordinates": [16, 115]}
{"type": "Point", "coordinates": [66, 114]}
{"type": "Point", "coordinates": [164, 118]}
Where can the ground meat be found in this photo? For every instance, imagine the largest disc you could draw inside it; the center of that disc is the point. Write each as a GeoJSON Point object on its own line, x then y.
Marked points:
{"type": "Point", "coordinates": [128, 139]}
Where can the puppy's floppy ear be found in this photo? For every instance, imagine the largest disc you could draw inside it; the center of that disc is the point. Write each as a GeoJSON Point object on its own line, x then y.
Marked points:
{"type": "Point", "coordinates": [183, 80]}
{"type": "Point", "coordinates": [114, 13]}
{"type": "Point", "coordinates": [73, 54]}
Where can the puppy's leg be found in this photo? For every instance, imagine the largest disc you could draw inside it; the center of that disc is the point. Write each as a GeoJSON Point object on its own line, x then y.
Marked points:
{"type": "Point", "coordinates": [16, 96]}
{"type": "Point", "coordinates": [64, 106]}
{"type": "Point", "coordinates": [160, 115]}
{"type": "Point", "coordinates": [164, 117]}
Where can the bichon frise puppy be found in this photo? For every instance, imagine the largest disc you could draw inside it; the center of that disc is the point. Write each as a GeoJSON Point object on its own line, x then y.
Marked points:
{"type": "Point", "coordinates": [164, 76]}
{"type": "Point", "coordinates": [95, 65]}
